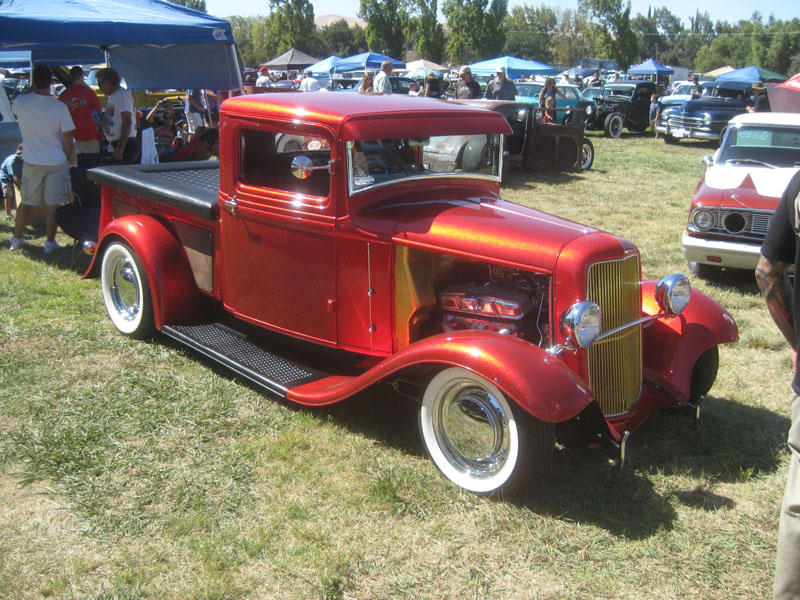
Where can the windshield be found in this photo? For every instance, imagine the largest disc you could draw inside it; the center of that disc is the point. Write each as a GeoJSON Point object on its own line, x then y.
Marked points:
{"type": "Point", "coordinates": [376, 163]}
{"type": "Point", "coordinates": [618, 90]}
{"type": "Point", "coordinates": [762, 145]}
{"type": "Point", "coordinates": [528, 89]}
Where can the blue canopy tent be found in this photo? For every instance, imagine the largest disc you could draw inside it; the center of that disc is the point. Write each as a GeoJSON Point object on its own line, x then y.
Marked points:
{"type": "Point", "coordinates": [365, 61]}
{"type": "Point", "coordinates": [190, 48]}
{"type": "Point", "coordinates": [325, 66]}
{"type": "Point", "coordinates": [650, 67]}
{"type": "Point", "coordinates": [515, 67]}
{"type": "Point", "coordinates": [11, 59]}
{"type": "Point", "coordinates": [752, 74]}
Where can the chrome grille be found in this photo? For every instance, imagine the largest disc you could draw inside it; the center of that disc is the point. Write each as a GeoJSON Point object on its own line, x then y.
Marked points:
{"type": "Point", "coordinates": [682, 122]}
{"type": "Point", "coordinates": [756, 223]}
{"type": "Point", "coordinates": [615, 363]}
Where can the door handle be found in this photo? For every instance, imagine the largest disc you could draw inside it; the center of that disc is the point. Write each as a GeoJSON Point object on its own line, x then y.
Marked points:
{"type": "Point", "coordinates": [232, 204]}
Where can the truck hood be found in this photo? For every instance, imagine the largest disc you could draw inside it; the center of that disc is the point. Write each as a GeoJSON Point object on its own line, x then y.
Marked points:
{"type": "Point", "coordinates": [484, 229]}
{"type": "Point", "coordinates": [767, 182]}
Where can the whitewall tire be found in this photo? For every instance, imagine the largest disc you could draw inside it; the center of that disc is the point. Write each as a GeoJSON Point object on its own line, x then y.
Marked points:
{"type": "Point", "coordinates": [126, 292]}
{"type": "Point", "coordinates": [476, 438]}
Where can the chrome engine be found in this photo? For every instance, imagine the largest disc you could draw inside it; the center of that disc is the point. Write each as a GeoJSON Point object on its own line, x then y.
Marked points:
{"type": "Point", "coordinates": [505, 300]}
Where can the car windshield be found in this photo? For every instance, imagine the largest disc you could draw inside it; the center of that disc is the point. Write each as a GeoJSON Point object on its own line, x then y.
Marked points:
{"type": "Point", "coordinates": [762, 145]}
{"type": "Point", "coordinates": [376, 163]}
{"type": "Point", "coordinates": [683, 88]}
{"type": "Point", "coordinates": [618, 90]}
{"type": "Point", "coordinates": [528, 89]}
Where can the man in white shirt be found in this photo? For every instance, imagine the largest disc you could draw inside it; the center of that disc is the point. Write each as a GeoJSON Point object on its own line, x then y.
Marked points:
{"type": "Point", "coordinates": [263, 77]}
{"type": "Point", "coordinates": [120, 116]}
{"type": "Point", "coordinates": [48, 150]}
{"type": "Point", "coordinates": [382, 84]}
{"type": "Point", "coordinates": [309, 83]}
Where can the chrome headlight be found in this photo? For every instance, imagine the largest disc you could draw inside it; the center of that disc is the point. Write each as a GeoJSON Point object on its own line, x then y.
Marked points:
{"type": "Point", "coordinates": [707, 119]}
{"type": "Point", "coordinates": [581, 323]}
{"type": "Point", "coordinates": [703, 219]}
{"type": "Point", "coordinates": [589, 109]}
{"type": "Point", "coordinates": [673, 293]}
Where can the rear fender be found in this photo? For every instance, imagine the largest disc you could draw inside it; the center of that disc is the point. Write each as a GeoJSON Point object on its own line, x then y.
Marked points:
{"type": "Point", "coordinates": [672, 346]}
{"type": "Point", "coordinates": [172, 287]}
{"type": "Point", "coordinates": [539, 382]}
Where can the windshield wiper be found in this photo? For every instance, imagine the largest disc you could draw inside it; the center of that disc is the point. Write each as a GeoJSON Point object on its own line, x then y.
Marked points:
{"type": "Point", "coordinates": [750, 161]}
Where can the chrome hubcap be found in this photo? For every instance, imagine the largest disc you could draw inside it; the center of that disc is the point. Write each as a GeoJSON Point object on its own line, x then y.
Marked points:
{"type": "Point", "coordinates": [471, 429]}
{"type": "Point", "coordinates": [125, 289]}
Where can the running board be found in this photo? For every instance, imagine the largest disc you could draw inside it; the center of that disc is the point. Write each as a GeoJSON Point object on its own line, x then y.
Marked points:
{"type": "Point", "coordinates": [232, 349]}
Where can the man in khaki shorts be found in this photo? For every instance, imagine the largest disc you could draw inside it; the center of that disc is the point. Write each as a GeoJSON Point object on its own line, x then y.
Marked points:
{"type": "Point", "coordinates": [48, 150]}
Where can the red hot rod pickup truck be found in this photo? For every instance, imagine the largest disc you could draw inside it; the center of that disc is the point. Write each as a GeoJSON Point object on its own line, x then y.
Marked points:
{"type": "Point", "coordinates": [363, 253]}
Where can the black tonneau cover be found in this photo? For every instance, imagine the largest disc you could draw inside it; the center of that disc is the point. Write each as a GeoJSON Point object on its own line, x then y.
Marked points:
{"type": "Point", "coordinates": [189, 186]}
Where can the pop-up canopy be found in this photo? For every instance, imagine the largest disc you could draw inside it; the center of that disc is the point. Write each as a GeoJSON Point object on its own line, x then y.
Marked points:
{"type": "Point", "coordinates": [650, 67]}
{"type": "Point", "coordinates": [151, 43]}
{"type": "Point", "coordinates": [515, 67]}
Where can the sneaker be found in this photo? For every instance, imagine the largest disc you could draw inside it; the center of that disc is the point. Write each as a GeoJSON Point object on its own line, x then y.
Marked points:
{"type": "Point", "coordinates": [52, 247]}
{"type": "Point", "coordinates": [16, 243]}
{"type": "Point", "coordinates": [9, 218]}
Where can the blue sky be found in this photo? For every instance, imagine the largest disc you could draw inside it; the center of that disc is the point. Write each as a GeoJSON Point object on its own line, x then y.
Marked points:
{"type": "Point", "coordinates": [727, 10]}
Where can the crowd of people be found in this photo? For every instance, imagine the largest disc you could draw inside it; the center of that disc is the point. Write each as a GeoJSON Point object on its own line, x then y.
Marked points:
{"type": "Point", "coordinates": [55, 131]}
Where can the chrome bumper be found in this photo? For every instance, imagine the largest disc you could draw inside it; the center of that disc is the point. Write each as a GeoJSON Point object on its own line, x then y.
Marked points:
{"type": "Point", "coordinates": [731, 254]}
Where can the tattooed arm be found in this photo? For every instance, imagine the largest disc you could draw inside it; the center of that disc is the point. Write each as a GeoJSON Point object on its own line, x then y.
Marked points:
{"type": "Point", "coordinates": [773, 281]}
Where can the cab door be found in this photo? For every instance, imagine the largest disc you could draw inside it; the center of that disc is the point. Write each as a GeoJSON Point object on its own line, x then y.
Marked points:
{"type": "Point", "coordinates": [278, 243]}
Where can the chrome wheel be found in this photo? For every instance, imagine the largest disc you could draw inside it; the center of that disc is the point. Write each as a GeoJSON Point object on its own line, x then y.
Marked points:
{"type": "Point", "coordinates": [126, 292]}
{"type": "Point", "coordinates": [587, 155]}
{"type": "Point", "coordinates": [473, 435]}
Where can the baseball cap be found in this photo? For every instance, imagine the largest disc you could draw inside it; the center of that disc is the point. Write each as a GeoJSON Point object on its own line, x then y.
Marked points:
{"type": "Point", "coordinates": [500, 69]}
{"type": "Point", "coordinates": [262, 69]}
{"type": "Point", "coordinates": [758, 85]}
{"type": "Point", "coordinates": [465, 69]}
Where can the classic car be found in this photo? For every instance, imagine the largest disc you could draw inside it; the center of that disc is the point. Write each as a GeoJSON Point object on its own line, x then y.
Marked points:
{"type": "Point", "coordinates": [624, 104]}
{"type": "Point", "coordinates": [736, 198]}
{"type": "Point", "coordinates": [704, 118]}
{"type": "Point", "coordinates": [360, 262]}
{"type": "Point", "coordinates": [531, 145]}
{"type": "Point", "coordinates": [529, 92]}
{"type": "Point", "coordinates": [681, 92]}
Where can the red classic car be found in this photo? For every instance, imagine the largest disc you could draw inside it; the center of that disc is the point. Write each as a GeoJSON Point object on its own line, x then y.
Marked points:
{"type": "Point", "coordinates": [371, 257]}
{"type": "Point", "coordinates": [736, 198]}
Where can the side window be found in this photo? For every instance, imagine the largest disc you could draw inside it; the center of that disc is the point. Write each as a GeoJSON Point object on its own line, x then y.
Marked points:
{"type": "Point", "coordinates": [265, 160]}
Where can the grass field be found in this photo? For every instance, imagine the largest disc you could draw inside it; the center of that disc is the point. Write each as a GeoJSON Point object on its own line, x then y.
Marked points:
{"type": "Point", "coordinates": [132, 470]}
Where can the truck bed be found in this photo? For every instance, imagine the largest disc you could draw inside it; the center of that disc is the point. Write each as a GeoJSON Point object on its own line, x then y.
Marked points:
{"type": "Point", "coordinates": [189, 186]}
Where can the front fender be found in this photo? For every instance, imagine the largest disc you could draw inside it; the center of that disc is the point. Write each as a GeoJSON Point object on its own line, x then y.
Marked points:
{"type": "Point", "coordinates": [539, 382]}
{"type": "Point", "coordinates": [672, 346]}
{"type": "Point", "coordinates": [172, 287]}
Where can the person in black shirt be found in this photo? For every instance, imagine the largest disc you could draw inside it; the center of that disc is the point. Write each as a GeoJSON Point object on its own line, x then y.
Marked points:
{"type": "Point", "coordinates": [467, 88]}
{"type": "Point", "coordinates": [780, 250]}
{"type": "Point", "coordinates": [762, 102]}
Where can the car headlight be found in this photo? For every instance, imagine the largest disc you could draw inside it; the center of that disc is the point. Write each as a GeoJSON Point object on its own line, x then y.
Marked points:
{"type": "Point", "coordinates": [581, 323]}
{"type": "Point", "coordinates": [673, 293]}
{"type": "Point", "coordinates": [589, 109]}
{"type": "Point", "coordinates": [703, 219]}
{"type": "Point", "coordinates": [707, 119]}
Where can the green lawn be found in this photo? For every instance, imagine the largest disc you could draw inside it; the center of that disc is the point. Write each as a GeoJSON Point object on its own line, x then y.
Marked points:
{"type": "Point", "coordinates": [138, 470]}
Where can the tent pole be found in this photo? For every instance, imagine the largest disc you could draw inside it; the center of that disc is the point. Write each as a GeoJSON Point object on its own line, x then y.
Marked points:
{"type": "Point", "coordinates": [239, 82]}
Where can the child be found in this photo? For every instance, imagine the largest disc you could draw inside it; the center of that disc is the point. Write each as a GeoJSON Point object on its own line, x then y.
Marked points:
{"type": "Point", "coordinates": [655, 112]}
{"type": "Point", "coordinates": [549, 114]}
{"type": "Point", "coordinates": [11, 176]}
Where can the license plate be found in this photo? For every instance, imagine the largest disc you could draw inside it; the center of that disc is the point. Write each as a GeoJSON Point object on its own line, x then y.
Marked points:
{"type": "Point", "coordinates": [679, 133]}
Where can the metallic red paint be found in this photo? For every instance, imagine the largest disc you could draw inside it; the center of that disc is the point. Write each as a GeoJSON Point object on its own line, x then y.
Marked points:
{"type": "Point", "coordinates": [539, 382]}
{"type": "Point", "coordinates": [671, 346]}
{"type": "Point", "coordinates": [172, 287]}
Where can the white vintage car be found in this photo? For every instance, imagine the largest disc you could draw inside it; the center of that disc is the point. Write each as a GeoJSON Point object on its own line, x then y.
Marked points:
{"type": "Point", "coordinates": [734, 202]}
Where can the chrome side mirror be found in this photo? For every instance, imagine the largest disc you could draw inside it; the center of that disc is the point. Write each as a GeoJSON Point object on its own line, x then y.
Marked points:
{"type": "Point", "coordinates": [302, 167]}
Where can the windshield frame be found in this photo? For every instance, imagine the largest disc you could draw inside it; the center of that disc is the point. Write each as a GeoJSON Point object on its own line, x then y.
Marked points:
{"type": "Point", "coordinates": [767, 154]}
{"type": "Point", "coordinates": [356, 164]}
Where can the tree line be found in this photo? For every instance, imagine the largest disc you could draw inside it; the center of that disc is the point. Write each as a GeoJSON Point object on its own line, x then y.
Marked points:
{"type": "Point", "coordinates": [476, 30]}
